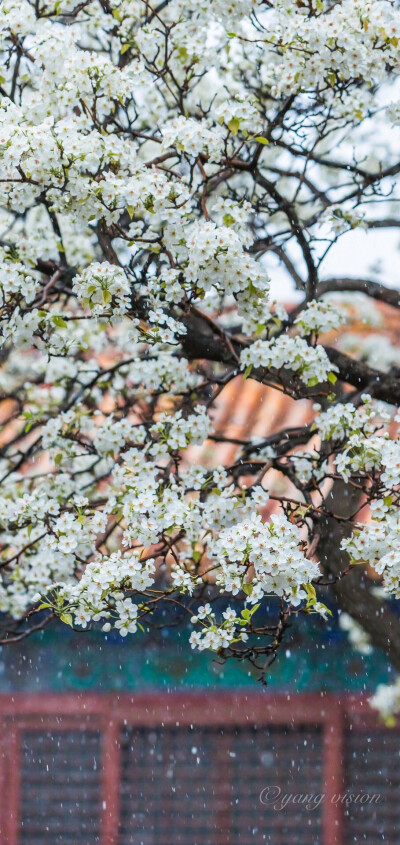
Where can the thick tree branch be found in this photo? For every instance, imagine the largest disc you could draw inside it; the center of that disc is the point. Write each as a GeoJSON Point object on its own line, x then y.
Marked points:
{"type": "Point", "coordinates": [373, 289]}
{"type": "Point", "coordinates": [353, 590]}
{"type": "Point", "coordinates": [202, 342]}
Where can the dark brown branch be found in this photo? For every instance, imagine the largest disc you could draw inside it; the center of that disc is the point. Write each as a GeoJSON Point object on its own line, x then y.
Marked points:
{"type": "Point", "coordinates": [353, 591]}
{"type": "Point", "coordinates": [361, 376]}
{"type": "Point", "coordinates": [296, 226]}
{"type": "Point", "coordinates": [201, 342]}
{"type": "Point", "coordinates": [373, 289]}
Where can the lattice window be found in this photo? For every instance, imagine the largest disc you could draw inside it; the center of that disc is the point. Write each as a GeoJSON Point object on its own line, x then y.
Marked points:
{"type": "Point", "coordinates": [373, 769]}
{"type": "Point", "coordinates": [172, 787]}
{"type": "Point", "coordinates": [177, 769]}
{"type": "Point", "coordinates": [290, 757]}
{"type": "Point", "coordinates": [202, 787]}
{"type": "Point", "coordinates": [60, 787]}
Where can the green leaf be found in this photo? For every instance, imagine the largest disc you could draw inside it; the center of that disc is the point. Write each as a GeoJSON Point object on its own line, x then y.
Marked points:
{"type": "Point", "coordinates": [234, 125]}
{"type": "Point", "coordinates": [310, 590]}
{"type": "Point", "coordinates": [149, 203]}
{"type": "Point", "coordinates": [67, 618]}
{"type": "Point", "coordinates": [58, 321]}
{"type": "Point", "coordinates": [387, 501]}
{"type": "Point", "coordinates": [261, 140]}
{"type": "Point", "coordinates": [247, 371]}
{"type": "Point", "coordinates": [247, 589]}
{"type": "Point", "coordinates": [58, 458]}
{"type": "Point", "coordinates": [332, 378]}
{"type": "Point", "coordinates": [107, 296]}
{"type": "Point", "coordinates": [312, 382]}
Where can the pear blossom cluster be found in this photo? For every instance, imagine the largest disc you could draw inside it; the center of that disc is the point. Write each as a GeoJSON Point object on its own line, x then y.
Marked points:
{"type": "Point", "coordinates": [328, 45]}
{"type": "Point", "coordinates": [273, 549]}
{"type": "Point", "coordinates": [189, 136]}
{"type": "Point", "coordinates": [318, 317]}
{"type": "Point", "coordinates": [216, 260]}
{"type": "Point", "coordinates": [101, 592]}
{"type": "Point", "coordinates": [101, 284]}
{"type": "Point", "coordinates": [341, 220]}
{"type": "Point", "coordinates": [377, 543]}
{"type": "Point", "coordinates": [365, 444]}
{"type": "Point", "coordinates": [376, 349]}
{"type": "Point", "coordinates": [214, 636]}
{"type": "Point", "coordinates": [340, 420]}
{"type": "Point", "coordinates": [16, 279]}
{"type": "Point", "coordinates": [53, 553]}
{"type": "Point", "coordinates": [310, 363]}
{"type": "Point", "coordinates": [358, 638]}
{"type": "Point", "coordinates": [369, 455]}
{"type": "Point", "coordinates": [162, 169]}
{"type": "Point", "coordinates": [386, 700]}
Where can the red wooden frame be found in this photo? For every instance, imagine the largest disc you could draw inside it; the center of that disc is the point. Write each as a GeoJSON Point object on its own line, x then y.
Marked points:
{"type": "Point", "coordinates": [108, 712]}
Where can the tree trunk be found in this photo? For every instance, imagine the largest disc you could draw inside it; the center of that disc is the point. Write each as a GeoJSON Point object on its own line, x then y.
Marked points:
{"type": "Point", "coordinates": [353, 591]}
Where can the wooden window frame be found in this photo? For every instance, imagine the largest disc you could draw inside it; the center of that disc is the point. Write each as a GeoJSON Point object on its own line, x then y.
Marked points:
{"type": "Point", "coordinates": [110, 713]}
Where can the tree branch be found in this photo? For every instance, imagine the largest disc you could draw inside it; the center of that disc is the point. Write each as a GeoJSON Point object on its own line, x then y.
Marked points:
{"type": "Point", "coordinates": [373, 289]}
{"type": "Point", "coordinates": [353, 591]}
